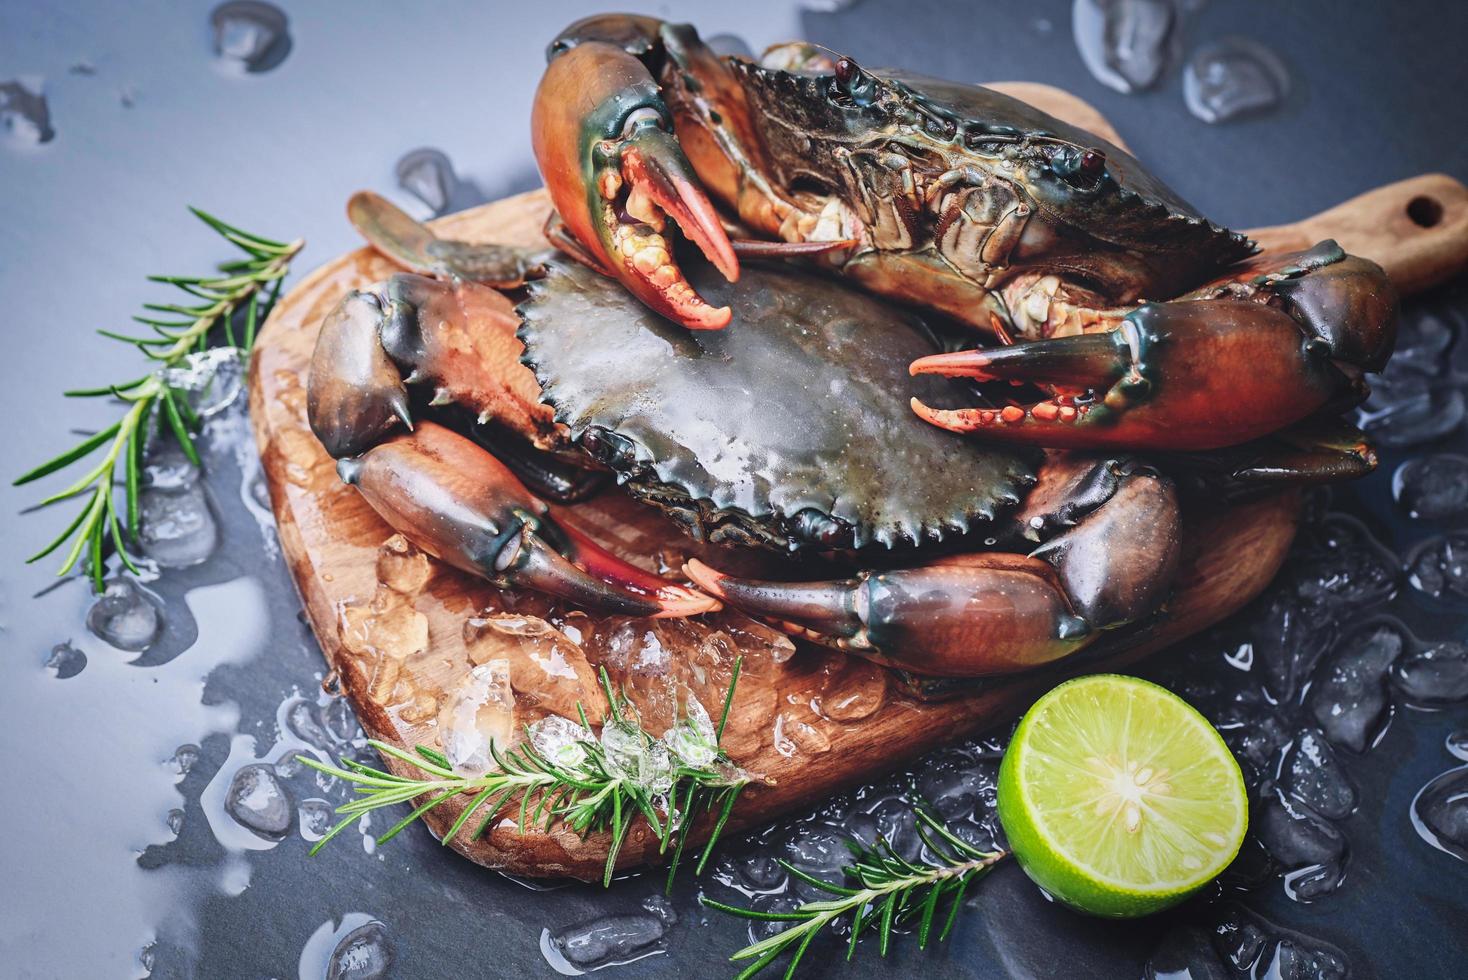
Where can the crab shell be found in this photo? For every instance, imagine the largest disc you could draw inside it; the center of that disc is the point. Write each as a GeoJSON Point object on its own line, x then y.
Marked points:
{"type": "Point", "coordinates": [789, 431]}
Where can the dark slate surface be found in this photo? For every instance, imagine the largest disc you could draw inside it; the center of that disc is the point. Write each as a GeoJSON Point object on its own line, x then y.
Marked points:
{"type": "Point", "coordinates": [95, 882]}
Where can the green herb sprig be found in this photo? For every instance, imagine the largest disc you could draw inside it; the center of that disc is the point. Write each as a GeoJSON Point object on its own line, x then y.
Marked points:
{"type": "Point", "coordinates": [590, 794]}
{"type": "Point", "coordinates": [889, 891]}
{"type": "Point", "coordinates": [179, 329]}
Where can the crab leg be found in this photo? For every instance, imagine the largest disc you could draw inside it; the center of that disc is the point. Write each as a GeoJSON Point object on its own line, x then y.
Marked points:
{"type": "Point", "coordinates": [460, 504]}
{"type": "Point", "coordinates": [991, 613]}
{"type": "Point", "coordinates": [413, 245]}
{"type": "Point", "coordinates": [1229, 364]}
{"type": "Point", "coordinates": [603, 139]}
{"type": "Point", "coordinates": [442, 491]}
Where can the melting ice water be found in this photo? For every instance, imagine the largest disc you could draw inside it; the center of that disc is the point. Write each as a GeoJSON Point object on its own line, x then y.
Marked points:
{"type": "Point", "coordinates": [125, 616]}
{"type": "Point", "coordinates": [250, 36]}
{"type": "Point", "coordinates": [1234, 77]}
{"type": "Point", "coordinates": [66, 661]}
{"type": "Point", "coordinates": [611, 940]}
{"type": "Point", "coordinates": [1125, 44]}
{"type": "Point", "coordinates": [24, 113]}
{"type": "Point", "coordinates": [257, 800]}
{"type": "Point", "coordinates": [1440, 813]}
{"type": "Point", "coordinates": [357, 948]}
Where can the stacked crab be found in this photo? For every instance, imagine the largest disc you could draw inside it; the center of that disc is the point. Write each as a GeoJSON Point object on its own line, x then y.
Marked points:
{"type": "Point", "coordinates": [971, 362]}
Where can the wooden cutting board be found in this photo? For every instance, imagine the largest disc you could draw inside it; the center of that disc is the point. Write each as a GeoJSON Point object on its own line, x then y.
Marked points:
{"type": "Point", "coordinates": [340, 553]}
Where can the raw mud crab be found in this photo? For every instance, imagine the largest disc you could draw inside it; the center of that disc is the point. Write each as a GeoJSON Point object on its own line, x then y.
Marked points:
{"type": "Point", "coordinates": [1128, 352]}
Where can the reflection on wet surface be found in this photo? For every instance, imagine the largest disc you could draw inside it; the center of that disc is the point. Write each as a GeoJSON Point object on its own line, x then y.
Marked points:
{"type": "Point", "coordinates": [1318, 688]}
{"type": "Point", "coordinates": [159, 823]}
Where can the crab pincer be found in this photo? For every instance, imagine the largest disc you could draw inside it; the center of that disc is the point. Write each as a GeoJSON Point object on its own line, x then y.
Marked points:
{"type": "Point", "coordinates": [1106, 559]}
{"type": "Point", "coordinates": [463, 506]}
{"type": "Point", "coordinates": [1237, 360]}
{"type": "Point", "coordinates": [604, 142]}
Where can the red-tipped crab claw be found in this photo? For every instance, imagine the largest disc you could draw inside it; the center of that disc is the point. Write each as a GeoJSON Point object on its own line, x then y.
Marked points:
{"type": "Point", "coordinates": [1106, 559]}
{"type": "Point", "coordinates": [603, 140]}
{"type": "Point", "coordinates": [463, 506]}
{"type": "Point", "coordinates": [981, 614]}
{"type": "Point", "coordinates": [1233, 362]}
{"type": "Point", "coordinates": [440, 490]}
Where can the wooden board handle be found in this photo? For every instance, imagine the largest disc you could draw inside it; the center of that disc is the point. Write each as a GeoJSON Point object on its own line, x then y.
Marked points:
{"type": "Point", "coordinates": [1416, 229]}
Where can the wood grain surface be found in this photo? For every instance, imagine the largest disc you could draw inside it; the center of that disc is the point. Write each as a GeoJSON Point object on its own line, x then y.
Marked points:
{"type": "Point", "coordinates": [341, 554]}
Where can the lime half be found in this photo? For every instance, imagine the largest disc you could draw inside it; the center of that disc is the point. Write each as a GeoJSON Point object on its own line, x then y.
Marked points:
{"type": "Point", "coordinates": [1118, 798]}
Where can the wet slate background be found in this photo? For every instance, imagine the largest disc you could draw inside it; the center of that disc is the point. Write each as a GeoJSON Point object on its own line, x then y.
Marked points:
{"type": "Point", "coordinates": [95, 882]}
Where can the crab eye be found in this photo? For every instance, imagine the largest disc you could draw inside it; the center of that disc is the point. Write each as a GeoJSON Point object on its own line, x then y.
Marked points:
{"type": "Point", "coordinates": [638, 118]}
{"type": "Point", "coordinates": [852, 82]}
{"type": "Point", "coordinates": [1080, 167]}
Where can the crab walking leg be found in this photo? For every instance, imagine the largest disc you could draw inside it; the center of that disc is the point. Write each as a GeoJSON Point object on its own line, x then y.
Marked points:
{"type": "Point", "coordinates": [461, 505]}
{"type": "Point", "coordinates": [1240, 359]}
{"type": "Point", "coordinates": [979, 614]}
{"type": "Point", "coordinates": [413, 245]}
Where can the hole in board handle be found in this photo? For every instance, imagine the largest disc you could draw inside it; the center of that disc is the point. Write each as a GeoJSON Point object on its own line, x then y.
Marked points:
{"type": "Point", "coordinates": [1424, 211]}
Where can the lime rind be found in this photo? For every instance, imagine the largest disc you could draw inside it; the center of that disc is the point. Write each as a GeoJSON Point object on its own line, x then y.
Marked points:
{"type": "Point", "coordinates": [1118, 798]}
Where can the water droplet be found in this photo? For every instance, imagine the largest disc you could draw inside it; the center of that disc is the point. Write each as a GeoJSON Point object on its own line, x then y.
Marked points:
{"type": "Point", "coordinates": [1125, 44]}
{"type": "Point", "coordinates": [65, 661]}
{"type": "Point", "coordinates": [125, 616]}
{"type": "Point", "coordinates": [250, 36]}
{"type": "Point", "coordinates": [303, 720]}
{"type": "Point", "coordinates": [1440, 813]}
{"type": "Point", "coordinates": [316, 818]}
{"type": "Point", "coordinates": [24, 114]}
{"type": "Point", "coordinates": [1234, 77]}
{"type": "Point", "coordinates": [257, 800]}
{"type": "Point", "coordinates": [1432, 487]}
{"type": "Point", "coordinates": [1457, 744]}
{"type": "Point", "coordinates": [365, 953]}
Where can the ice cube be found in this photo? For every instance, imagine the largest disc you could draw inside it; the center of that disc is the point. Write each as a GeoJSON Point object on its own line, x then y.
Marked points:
{"type": "Point", "coordinates": [257, 800]}
{"type": "Point", "coordinates": [479, 713]}
{"type": "Point", "coordinates": [558, 740]}
{"type": "Point", "coordinates": [124, 616]}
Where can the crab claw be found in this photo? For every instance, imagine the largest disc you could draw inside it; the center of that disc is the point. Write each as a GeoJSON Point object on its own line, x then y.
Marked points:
{"type": "Point", "coordinates": [967, 616]}
{"type": "Point", "coordinates": [603, 140]}
{"type": "Point", "coordinates": [1236, 362]}
{"type": "Point", "coordinates": [461, 505]}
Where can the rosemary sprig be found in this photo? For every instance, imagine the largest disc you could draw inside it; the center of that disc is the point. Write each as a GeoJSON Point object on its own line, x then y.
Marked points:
{"type": "Point", "coordinates": [179, 329]}
{"type": "Point", "coordinates": [589, 791]}
{"type": "Point", "coordinates": [890, 890]}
